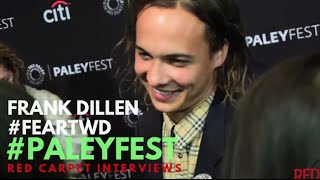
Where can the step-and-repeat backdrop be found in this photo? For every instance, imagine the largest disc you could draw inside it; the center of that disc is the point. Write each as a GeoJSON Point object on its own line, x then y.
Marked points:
{"type": "Point", "coordinates": [66, 46]}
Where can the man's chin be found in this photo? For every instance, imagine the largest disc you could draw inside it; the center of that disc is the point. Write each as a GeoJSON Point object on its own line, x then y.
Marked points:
{"type": "Point", "coordinates": [166, 108]}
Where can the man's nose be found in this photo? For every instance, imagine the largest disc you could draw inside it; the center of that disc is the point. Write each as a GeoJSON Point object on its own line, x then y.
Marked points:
{"type": "Point", "coordinates": [157, 75]}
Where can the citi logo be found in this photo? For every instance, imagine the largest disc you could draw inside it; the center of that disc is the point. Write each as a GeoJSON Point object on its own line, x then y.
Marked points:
{"type": "Point", "coordinates": [59, 12]}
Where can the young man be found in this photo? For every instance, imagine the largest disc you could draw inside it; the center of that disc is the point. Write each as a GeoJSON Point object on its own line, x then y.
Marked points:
{"type": "Point", "coordinates": [192, 60]}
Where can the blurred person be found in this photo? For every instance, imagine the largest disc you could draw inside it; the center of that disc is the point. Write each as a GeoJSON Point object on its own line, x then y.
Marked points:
{"type": "Point", "coordinates": [276, 125]}
{"type": "Point", "coordinates": [11, 70]}
{"type": "Point", "coordinates": [192, 60]}
{"type": "Point", "coordinates": [11, 92]}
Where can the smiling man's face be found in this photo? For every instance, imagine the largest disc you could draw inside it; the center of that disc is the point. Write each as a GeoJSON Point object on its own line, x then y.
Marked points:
{"type": "Point", "coordinates": [172, 58]}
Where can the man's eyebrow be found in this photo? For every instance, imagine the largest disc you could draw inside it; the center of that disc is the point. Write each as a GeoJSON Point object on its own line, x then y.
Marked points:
{"type": "Point", "coordinates": [169, 56]}
{"type": "Point", "coordinates": [178, 56]}
{"type": "Point", "coordinates": [141, 49]}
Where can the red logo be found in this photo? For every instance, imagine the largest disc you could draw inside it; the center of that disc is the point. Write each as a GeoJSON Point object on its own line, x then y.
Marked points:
{"type": "Point", "coordinates": [59, 12]}
{"type": "Point", "coordinates": [307, 173]}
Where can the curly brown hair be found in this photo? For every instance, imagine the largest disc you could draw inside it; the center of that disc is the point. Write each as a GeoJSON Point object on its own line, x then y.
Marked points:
{"type": "Point", "coordinates": [11, 62]}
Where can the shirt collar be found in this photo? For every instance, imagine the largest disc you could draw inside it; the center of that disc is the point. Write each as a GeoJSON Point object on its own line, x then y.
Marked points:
{"type": "Point", "coordinates": [190, 125]}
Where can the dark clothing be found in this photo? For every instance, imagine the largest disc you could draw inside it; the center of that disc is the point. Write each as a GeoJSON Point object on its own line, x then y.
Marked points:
{"type": "Point", "coordinates": [213, 140]}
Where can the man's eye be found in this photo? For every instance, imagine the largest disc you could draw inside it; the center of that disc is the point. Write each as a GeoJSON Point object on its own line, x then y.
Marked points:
{"type": "Point", "coordinates": [179, 62]}
{"type": "Point", "coordinates": [144, 56]}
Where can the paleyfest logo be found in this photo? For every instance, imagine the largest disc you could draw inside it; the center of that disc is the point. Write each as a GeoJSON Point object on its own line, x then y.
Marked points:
{"type": "Point", "coordinates": [35, 74]}
{"type": "Point", "coordinates": [113, 7]}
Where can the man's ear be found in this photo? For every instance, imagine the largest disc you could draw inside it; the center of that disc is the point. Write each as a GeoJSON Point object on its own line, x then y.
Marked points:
{"type": "Point", "coordinates": [220, 56]}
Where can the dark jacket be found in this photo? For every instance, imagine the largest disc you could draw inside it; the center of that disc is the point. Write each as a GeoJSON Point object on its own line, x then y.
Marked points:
{"type": "Point", "coordinates": [212, 145]}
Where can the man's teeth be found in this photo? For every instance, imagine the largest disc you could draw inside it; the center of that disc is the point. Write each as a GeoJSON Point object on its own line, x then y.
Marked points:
{"type": "Point", "coordinates": [165, 92]}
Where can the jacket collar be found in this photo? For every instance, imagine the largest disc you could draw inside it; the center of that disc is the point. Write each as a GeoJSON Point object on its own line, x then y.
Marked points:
{"type": "Point", "coordinates": [213, 138]}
